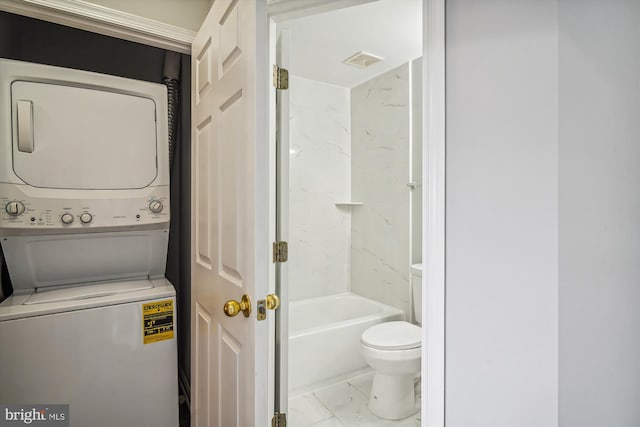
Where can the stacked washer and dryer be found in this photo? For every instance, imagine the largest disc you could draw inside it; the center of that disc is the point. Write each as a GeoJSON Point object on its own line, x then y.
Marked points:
{"type": "Point", "coordinates": [84, 225]}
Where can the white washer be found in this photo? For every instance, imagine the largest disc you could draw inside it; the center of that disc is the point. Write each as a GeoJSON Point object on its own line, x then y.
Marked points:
{"type": "Point", "coordinates": [73, 347]}
{"type": "Point", "coordinates": [84, 224]}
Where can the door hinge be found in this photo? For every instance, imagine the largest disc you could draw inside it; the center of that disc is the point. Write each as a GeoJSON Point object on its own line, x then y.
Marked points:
{"type": "Point", "coordinates": [279, 420]}
{"type": "Point", "coordinates": [280, 77]}
{"type": "Point", "coordinates": [280, 251]}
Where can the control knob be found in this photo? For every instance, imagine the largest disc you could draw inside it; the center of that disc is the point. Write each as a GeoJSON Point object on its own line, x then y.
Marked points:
{"type": "Point", "coordinates": [66, 218]}
{"type": "Point", "coordinates": [14, 208]}
{"type": "Point", "coordinates": [156, 206]}
{"type": "Point", "coordinates": [86, 218]}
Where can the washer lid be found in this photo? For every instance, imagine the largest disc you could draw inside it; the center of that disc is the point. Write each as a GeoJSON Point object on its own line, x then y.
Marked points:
{"type": "Point", "coordinates": [396, 335]}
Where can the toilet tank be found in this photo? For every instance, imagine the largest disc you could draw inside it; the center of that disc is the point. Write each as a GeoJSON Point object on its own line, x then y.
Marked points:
{"type": "Point", "coordinates": [416, 286]}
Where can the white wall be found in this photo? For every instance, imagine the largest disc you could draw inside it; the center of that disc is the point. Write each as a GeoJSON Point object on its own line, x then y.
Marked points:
{"type": "Point", "coordinates": [599, 213]}
{"type": "Point", "coordinates": [187, 14]}
{"type": "Point", "coordinates": [543, 208]}
{"type": "Point", "coordinates": [380, 125]}
{"type": "Point", "coordinates": [501, 213]}
{"type": "Point", "coordinates": [319, 175]}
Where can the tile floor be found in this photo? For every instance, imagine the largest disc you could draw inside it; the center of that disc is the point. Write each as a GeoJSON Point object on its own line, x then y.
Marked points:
{"type": "Point", "coordinates": [343, 404]}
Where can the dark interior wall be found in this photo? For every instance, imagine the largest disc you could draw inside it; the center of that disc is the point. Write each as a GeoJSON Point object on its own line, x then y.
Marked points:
{"type": "Point", "coordinates": [7, 31]}
{"type": "Point", "coordinates": [32, 40]}
{"type": "Point", "coordinates": [178, 263]}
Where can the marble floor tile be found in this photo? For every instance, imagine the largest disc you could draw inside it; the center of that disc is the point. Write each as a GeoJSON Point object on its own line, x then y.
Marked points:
{"type": "Point", "coordinates": [331, 422]}
{"type": "Point", "coordinates": [350, 406]}
{"type": "Point", "coordinates": [363, 383]}
{"type": "Point", "coordinates": [341, 397]}
{"type": "Point", "coordinates": [341, 405]}
{"type": "Point", "coordinates": [306, 410]}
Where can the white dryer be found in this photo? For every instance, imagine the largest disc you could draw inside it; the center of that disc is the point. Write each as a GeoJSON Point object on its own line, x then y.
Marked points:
{"type": "Point", "coordinates": [84, 224]}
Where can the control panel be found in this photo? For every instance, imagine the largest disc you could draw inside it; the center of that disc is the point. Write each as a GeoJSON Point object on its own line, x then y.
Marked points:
{"type": "Point", "coordinates": [24, 207]}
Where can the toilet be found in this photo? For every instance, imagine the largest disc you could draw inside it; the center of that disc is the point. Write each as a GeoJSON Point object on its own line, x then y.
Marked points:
{"type": "Point", "coordinates": [394, 350]}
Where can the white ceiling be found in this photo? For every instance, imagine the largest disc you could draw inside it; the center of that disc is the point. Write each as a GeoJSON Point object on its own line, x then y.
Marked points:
{"type": "Point", "coordinates": [391, 29]}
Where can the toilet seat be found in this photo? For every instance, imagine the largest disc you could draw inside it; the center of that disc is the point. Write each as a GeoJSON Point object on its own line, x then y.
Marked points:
{"type": "Point", "coordinates": [397, 335]}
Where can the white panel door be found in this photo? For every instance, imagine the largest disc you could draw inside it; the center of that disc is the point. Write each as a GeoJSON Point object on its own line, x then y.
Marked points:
{"type": "Point", "coordinates": [229, 250]}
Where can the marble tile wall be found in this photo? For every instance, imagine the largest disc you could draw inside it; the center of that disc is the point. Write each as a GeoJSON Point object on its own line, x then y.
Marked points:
{"type": "Point", "coordinates": [319, 175]}
{"type": "Point", "coordinates": [380, 127]}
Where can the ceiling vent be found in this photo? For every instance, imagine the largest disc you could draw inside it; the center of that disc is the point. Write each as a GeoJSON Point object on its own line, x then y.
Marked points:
{"type": "Point", "coordinates": [362, 59]}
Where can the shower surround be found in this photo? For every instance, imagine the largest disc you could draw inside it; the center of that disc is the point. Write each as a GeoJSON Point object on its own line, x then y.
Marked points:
{"type": "Point", "coordinates": [350, 145]}
{"type": "Point", "coordinates": [319, 175]}
{"type": "Point", "coordinates": [380, 165]}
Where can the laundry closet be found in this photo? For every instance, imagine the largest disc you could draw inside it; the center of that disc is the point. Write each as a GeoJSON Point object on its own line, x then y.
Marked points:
{"type": "Point", "coordinates": [34, 41]}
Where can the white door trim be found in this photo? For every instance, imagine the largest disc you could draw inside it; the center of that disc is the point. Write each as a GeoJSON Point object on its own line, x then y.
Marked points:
{"type": "Point", "coordinates": [433, 185]}
{"type": "Point", "coordinates": [103, 20]}
{"type": "Point", "coordinates": [433, 239]}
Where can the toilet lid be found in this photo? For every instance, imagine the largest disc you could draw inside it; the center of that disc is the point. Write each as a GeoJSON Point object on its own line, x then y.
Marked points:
{"type": "Point", "coordinates": [396, 335]}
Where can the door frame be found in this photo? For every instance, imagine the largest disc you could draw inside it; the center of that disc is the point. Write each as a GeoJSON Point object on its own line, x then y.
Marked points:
{"type": "Point", "coordinates": [433, 189]}
{"type": "Point", "coordinates": [113, 23]}
{"type": "Point", "coordinates": [433, 213]}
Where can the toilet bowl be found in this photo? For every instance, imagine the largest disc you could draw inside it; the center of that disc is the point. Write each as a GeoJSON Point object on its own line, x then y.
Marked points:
{"type": "Point", "coordinates": [393, 350]}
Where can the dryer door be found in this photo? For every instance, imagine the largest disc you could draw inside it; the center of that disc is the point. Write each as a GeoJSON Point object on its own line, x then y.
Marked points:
{"type": "Point", "coordinates": [81, 138]}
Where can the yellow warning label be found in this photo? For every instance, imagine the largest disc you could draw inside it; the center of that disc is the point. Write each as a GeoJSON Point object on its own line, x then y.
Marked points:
{"type": "Point", "coordinates": [157, 321]}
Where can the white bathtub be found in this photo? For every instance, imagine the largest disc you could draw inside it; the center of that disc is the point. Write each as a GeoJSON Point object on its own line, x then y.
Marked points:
{"type": "Point", "coordinates": [324, 336]}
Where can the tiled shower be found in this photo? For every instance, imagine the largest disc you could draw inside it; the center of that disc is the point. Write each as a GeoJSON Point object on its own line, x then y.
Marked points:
{"type": "Point", "coordinates": [352, 188]}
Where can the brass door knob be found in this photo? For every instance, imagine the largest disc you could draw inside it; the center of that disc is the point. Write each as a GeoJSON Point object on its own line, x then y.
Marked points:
{"type": "Point", "coordinates": [233, 307]}
{"type": "Point", "coordinates": [273, 301]}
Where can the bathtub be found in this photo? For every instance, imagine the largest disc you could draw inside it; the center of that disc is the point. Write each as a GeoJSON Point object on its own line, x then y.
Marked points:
{"type": "Point", "coordinates": [324, 336]}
